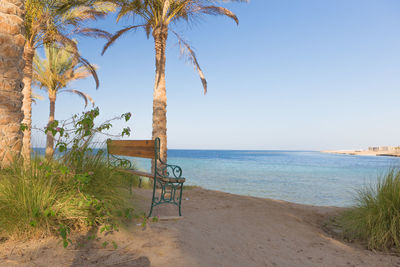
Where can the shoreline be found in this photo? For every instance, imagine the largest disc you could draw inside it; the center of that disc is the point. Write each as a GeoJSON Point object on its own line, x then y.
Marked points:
{"type": "Point", "coordinates": [193, 186]}
{"type": "Point", "coordinates": [387, 153]}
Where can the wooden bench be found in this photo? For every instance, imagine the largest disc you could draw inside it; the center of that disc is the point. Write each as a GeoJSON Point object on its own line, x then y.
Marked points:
{"type": "Point", "coordinates": [167, 177]}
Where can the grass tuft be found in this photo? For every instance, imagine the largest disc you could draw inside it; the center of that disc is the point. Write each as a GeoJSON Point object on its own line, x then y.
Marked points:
{"type": "Point", "coordinates": [375, 219]}
{"type": "Point", "coordinates": [49, 198]}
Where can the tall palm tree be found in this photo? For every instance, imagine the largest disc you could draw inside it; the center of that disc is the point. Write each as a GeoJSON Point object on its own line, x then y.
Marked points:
{"type": "Point", "coordinates": [53, 74]}
{"type": "Point", "coordinates": [157, 18]}
{"type": "Point", "coordinates": [11, 64]}
{"type": "Point", "coordinates": [46, 22]}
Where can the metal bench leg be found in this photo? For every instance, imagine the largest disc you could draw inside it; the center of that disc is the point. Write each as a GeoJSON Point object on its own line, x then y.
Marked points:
{"type": "Point", "coordinates": [152, 199]}
{"type": "Point", "coordinates": [180, 200]}
{"type": "Point", "coordinates": [151, 210]}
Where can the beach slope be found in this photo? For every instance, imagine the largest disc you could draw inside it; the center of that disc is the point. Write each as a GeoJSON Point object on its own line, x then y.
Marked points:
{"type": "Point", "coordinates": [218, 229]}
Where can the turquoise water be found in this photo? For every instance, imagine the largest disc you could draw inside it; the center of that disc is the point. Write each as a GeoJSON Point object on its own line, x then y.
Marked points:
{"type": "Point", "coordinates": [305, 177]}
{"type": "Point", "coordinates": [298, 176]}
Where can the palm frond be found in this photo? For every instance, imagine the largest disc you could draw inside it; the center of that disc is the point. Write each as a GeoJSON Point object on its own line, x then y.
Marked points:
{"type": "Point", "coordinates": [82, 72]}
{"type": "Point", "coordinates": [187, 51]}
{"type": "Point", "coordinates": [216, 10]}
{"type": "Point", "coordinates": [94, 32]}
{"type": "Point", "coordinates": [39, 73]}
{"type": "Point", "coordinates": [92, 70]}
{"type": "Point", "coordinates": [147, 28]}
{"type": "Point", "coordinates": [35, 97]}
{"type": "Point", "coordinates": [45, 20]}
{"type": "Point", "coordinates": [117, 35]}
{"type": "Point", "coordinates": [165, 9]}
{"type": "Point", "coordinates": [83, 95]}
{"type": "Point", "coordinates": [72, 48]}
{"type": "Point", "coordinates": [179, 10]}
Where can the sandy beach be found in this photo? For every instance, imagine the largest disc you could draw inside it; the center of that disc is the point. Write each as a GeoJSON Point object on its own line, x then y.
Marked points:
{"type": "Point", "coordinates": [218, 229]}
{"type": "Point", "coordinates": [389, 153]}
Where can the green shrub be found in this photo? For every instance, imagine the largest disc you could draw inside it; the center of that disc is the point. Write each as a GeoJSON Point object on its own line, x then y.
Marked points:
{"type": "Point", "coordinates": [48, 196]}
{"type": "Point", "coordinates": [375, 218]}
{"type": "Point", "coordinates": [77, 190]}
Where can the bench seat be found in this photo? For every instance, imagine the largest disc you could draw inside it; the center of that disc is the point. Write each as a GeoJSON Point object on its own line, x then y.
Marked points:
{"type": "Point", "coordinates": [151, 176]}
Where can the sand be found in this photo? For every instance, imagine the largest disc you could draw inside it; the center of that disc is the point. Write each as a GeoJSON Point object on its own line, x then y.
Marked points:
{"type": "Point", "coordinates": [389, 153]}
{"type": "Point", "coordinates": [218, 229]}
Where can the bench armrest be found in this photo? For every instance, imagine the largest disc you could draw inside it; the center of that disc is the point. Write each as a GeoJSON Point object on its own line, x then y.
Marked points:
{"type": "Point", "coordinates": [169, 171]}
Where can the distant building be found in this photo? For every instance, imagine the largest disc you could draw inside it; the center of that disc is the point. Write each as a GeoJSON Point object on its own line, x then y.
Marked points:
{"type": "Point", "coordinates": [384, 148]}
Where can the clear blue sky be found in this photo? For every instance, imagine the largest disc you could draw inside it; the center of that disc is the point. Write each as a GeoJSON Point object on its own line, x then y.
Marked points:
{"type": "Point", "coordinates": [295, 74]}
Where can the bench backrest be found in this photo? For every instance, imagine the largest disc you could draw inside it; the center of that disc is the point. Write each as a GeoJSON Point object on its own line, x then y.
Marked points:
{"type": "Point", "coordinates": [135, 148]}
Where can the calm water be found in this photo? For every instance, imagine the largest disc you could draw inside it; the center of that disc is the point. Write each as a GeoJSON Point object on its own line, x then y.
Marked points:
{"type": "Point", "coordinates": [297, 176]}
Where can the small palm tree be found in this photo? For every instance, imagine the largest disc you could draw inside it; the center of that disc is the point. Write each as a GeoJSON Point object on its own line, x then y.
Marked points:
{"type": "Point", "coordinates": [46, 22]}
{"type": "Point", "coordinates": [157, 17]}
{"type": "Point", "coordinates": [53, 74]}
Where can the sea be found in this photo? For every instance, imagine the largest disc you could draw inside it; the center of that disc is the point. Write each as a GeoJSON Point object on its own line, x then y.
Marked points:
{"type": "Point", "coordinates": [305, 177]}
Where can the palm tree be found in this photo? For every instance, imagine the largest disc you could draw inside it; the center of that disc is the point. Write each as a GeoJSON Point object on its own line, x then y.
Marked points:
{"type": "Point", "coordinates": [11, 63]}
{"type": "Point", "coordinates": [157, 18]}
{"type": "Point", "coordinates": [46, 22]}
{"type": "Point", "coordinates": [53, 74]}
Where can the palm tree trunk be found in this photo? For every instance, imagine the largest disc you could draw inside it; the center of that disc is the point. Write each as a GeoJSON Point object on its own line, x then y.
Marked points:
{"type": "Point", "coordinates": [50, 138]}
{"type": "Point", "coordinates": [29, 53]}
{"type": "Point", "coordinates": [11, 64]}
{"type": "Point", "coordinates": [160, 35]}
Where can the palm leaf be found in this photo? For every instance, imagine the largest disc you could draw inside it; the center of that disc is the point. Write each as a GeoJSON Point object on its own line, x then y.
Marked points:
{"type": "Point", "coordinates": [117, 35]}
{"type": "Point", "coordinates": [73, 49]}
{"type": "Point", "coordinates": [83, 95]}
{"type": "Point", "coordinates": [94, 32]}
{"type": "Point", "coordinates": [187, 51]}
{"type": "Point", "coordinates": [35, 97]}
{"type": "Point", "coordinates": [216, 10]}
